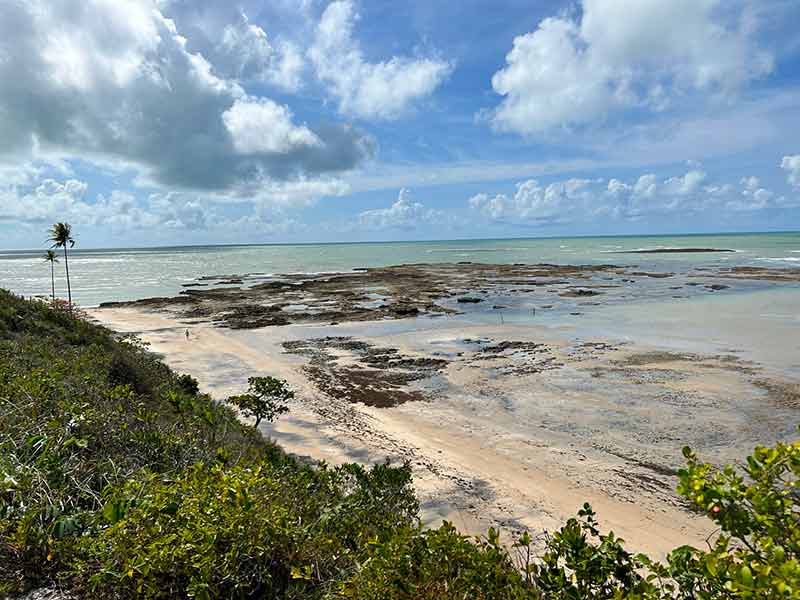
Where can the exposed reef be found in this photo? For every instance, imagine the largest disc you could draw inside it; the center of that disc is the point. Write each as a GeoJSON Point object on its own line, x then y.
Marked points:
{"type": "Point", "coordinates": [672, 250]}
{"type": "Point", "coordinates": [257, 300]}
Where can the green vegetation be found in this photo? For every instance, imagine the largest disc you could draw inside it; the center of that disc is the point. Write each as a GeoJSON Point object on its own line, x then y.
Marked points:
{"type": "Point", "coordinates": [119, 480]}
{"type": "Point", "coordinates": [266, 398]}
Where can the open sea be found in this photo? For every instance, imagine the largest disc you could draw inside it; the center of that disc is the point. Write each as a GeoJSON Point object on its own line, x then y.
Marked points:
{"type": "Point", "coordinates": [117, 274]}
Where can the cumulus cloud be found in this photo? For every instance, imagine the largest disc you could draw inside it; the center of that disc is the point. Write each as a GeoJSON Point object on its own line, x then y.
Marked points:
{"type": "Point", "coordinates": [371, 90]}
{"type": "Point", "coordinates": [581, 200]}
{"type": "Point", "coordinates": [50, 200]}
{"type": "Point", "coordinates": [685, 185]}
{"type": "Point", "coordinates": [534, 203]}
{"type": "Point", "coordinates": [619, 55]}
{"type": "Point", "coordinates": [245, 52]}
{"type": "Point", "coordinates": [791, 164]}
{"type": "Point", "coordinates": [404, 213]}
{"type": "Point", "coordinates": [37, 201]}
{"type": "Point", "coordinates": [259, 125]}
{"type": "Point", "coordinates": [116, 82]}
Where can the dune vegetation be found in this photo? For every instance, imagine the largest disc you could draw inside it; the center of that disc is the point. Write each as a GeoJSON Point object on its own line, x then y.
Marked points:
{"type": "Point", "coordinates": [119, 479]}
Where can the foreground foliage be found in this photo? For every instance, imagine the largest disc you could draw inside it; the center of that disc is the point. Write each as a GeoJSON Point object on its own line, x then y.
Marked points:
{"type": "Point", "coordinates": [119, 479]}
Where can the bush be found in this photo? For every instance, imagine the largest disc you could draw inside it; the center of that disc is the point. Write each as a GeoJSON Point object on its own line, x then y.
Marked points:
{"type": "Point", "coordinates": [74, 424]}
{"type": "Point", "coordinates": [437, 564]}
{"type": "Point", "coordinates": [242, 532]}
{"type": "Point", "coordinates": [757, 554]}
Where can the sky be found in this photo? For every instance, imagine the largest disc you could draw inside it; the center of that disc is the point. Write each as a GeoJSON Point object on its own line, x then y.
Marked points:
{"type": "Point", "coordinates": [171, 122]}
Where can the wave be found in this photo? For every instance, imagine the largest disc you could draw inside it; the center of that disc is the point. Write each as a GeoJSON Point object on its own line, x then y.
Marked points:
{"type": "Point", "coordinates": [791, 259]}
{"type": "Point", "coordinates": [474, 250]}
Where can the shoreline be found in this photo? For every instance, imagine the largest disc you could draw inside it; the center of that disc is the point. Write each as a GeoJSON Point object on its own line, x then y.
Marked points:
{"type": "Point", "coordinates": [516, 392]}
{"type": "Point", "coordinates": [482, 457]}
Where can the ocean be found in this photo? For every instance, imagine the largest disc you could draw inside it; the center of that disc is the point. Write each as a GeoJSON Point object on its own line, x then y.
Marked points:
{"type": "Point", "coordinates": [118, 274]}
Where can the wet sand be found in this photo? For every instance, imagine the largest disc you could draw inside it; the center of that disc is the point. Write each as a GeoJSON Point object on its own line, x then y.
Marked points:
{"type": "Point", "coordinates": [515, 418]}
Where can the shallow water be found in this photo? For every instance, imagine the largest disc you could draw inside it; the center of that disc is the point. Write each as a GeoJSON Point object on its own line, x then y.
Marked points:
{"type": "Point", "coordinates": [127, 274]}
{"type": "Point", "coordinates": [761, 325]}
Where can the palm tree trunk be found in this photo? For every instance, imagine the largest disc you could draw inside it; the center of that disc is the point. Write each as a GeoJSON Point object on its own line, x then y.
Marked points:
{"type": "Point", "coordinates": [52, 281]}
{"type": "Point", "coordinates": [69, 289]}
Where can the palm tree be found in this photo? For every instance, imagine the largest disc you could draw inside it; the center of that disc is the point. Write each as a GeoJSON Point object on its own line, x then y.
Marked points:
{"type": "Point", "coordinates": [51, 257]}
{"type": "Point", "coordinates": [61, 236]}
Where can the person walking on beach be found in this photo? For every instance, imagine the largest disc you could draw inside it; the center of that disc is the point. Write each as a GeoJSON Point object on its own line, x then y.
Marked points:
{"type": "Point", "coordinates": [187, 335]}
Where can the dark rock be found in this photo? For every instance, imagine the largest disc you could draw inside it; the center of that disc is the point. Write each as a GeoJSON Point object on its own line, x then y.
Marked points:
{"type": "Point", "coordinates": [579, 293]}
{"type": "Point", "coordinates": [673, 250]}
{"type": "Point", "coordinates": [469, 300]}
{"type": "Point", "coordinates": [654, 275]}
{"type": "Point", "coordinates": [404, 310]}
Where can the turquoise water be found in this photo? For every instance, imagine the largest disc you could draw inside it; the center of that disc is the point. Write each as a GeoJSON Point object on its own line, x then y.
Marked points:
{"type": "Point", "coordinates": [126, 274]}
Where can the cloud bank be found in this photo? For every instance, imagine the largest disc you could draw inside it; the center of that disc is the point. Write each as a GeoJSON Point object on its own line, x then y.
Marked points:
{"type": "Point", "coordinates": [582, 200]}
{"type": "Point", "coordinates": [114, 82]}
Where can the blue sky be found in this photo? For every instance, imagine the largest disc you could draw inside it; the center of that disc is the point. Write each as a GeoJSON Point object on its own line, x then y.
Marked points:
{"type": "Point", "coordinates": [149, 122]}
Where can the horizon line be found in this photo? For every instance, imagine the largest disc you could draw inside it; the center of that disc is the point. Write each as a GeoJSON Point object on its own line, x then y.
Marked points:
{"type": "Point", "coordinates": [441, 240]}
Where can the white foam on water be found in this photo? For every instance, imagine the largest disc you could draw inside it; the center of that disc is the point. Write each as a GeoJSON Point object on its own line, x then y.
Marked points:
{"type": "Point", "coordinates": [790, 259]}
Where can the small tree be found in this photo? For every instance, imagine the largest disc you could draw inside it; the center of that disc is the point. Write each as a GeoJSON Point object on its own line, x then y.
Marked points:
{"type": "Point", "coordinates": [265, 399]}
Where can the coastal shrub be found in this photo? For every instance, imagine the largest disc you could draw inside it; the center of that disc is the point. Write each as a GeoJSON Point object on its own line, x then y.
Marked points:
{"type": "Point", "coordinates": [437, 564]}
{"type": "Point", "coordinates": [581, 562]}
{"type": "Point", "coordinates": [757, 554]}
{"type": "Point", "coordinates": [72, 428]}
{"type": "Point", "coordinates": [578, 562]}
{"type": "Point", "coordinates": [188, 384]}
{"type": "Point", "coordinates": [242, 532]}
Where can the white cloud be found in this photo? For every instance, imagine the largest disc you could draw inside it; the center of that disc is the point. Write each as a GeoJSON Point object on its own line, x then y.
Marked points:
{"type": "Point", "coordinates": [645, 186]}
{"type": "Point", "coordinates": [405, 213]}
{"type": "Point", "coordinates": [50, 200]}
{"type": "Point", "coordinates": [116, 82]}
{"type": "Point", "coordinates": [287, 70]}
{"type": "Point", "coordinates": [619, 55]}
{"type": "Point", "coordinates": [262, 126]}
{"type": "Point", "coordinates": [582, 200]}
{"type": "Point", "coordinates": [34, 202]}
{"type": "Point", "coordinates": [533, 202]}
{"type": "Point", "coordinates": [750, 183]}
{"type": "Point", "coordinates": [381, 90]}
{"type": "Point", "coordinates": [685, 185]}
{"type": "Point", "coordinates": [298, 193]}
{"type": "Point", "coordinates": [791, 164]}
{"type": "Point", "coordinates": [244, 52]}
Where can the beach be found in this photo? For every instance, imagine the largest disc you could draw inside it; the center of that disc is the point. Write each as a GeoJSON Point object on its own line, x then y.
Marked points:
{"type": "Point", "coordinates": [516, 392]}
